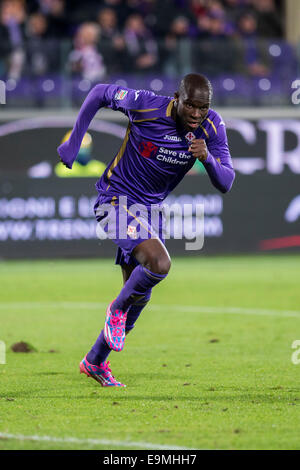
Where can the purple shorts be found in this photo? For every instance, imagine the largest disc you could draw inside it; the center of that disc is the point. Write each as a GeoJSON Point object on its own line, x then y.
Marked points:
{"type": "Point", "coordinates": [127, 224]}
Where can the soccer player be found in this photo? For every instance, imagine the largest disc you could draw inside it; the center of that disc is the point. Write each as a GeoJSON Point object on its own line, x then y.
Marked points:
{"type": "Point", "coordinates": [164, 137]}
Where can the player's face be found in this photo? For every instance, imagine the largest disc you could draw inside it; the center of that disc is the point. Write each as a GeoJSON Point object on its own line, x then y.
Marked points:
{"type": "Point", "coordinates": [192, 107]}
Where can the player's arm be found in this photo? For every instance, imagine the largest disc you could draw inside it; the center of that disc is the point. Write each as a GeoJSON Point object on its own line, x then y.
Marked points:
{"type": "Point", "coordinates": [215, 156]}
{"type": "Point", "coordinates": [102, 95]}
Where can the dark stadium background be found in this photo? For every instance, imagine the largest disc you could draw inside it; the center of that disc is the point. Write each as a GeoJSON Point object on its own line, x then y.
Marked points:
{"type": "Point", "coordinates": [52, 52]}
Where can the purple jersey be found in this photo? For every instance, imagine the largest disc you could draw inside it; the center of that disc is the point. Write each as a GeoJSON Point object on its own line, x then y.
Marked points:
{"type": "Point", "coordinates": [154, 155]}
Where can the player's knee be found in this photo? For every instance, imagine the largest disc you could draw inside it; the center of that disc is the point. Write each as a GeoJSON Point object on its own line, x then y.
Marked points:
{"type": "Point", "coordinates": [160, 265]}
{"type": "Point", "coordinates": [164, 266]}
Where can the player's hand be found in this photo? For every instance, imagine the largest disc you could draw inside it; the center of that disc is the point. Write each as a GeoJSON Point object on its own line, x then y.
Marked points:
{"type": "Point", "coordinates": [59, 151]}
{"type": "Point", "coordinates": [198, 149]}
{"type": "Point", "coordinates": [64, 163]}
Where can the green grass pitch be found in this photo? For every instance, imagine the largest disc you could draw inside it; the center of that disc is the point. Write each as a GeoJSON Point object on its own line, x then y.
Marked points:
{"type": "Point", "coordinates": [208, 365]}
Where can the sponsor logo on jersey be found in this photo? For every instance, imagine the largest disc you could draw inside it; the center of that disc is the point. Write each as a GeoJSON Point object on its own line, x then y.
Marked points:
{"type": "Point", "coordinates": [121, 94]}
{"type": "Point", "coordinates": [136, 94]}
{"type": "Point", "coordinates": [147, 149]}
{"type": "Point", "coordinates": [190, 136]}
{"type": "Point", "coordinates": [172, 138]}
{"type": "Point", "coordinates": [131, 231]}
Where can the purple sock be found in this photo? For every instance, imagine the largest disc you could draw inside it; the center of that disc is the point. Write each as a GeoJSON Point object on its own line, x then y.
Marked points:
{"type": "Point", "coordinates": [99, 351]}
{"type": "Point", "coordinates": [139, 282]}
{"type": "Point", "coordinates": [137, 289]}
{"type": "Point", "coordinates": [135, 310]}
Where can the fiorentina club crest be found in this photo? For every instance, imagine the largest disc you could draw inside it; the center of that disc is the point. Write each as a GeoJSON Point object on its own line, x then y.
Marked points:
{"type": "Point", "coordinates": [190, 137]}
{"type": "Point", "coordinates": [131, 231]}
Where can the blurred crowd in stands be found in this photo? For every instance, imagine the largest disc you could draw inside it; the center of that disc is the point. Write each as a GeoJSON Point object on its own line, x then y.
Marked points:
{"type": "Point", "coordinates": [94, 39]}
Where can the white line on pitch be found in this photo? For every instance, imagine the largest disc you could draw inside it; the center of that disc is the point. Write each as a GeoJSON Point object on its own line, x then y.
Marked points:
{"type": "Point", "coordinates": [91, 442]}
{"type": "Point", "coordinates": [230, 310]}
{"type": "Point", "coordinates": [180, 308]}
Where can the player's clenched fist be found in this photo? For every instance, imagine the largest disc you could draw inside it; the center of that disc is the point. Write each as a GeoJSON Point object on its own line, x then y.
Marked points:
{"type": "Point", "coordinates": [198, 149]}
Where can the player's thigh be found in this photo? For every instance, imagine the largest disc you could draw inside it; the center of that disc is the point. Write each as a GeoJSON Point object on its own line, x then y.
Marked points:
{"type": "Point", "coordinates": [153, 255]}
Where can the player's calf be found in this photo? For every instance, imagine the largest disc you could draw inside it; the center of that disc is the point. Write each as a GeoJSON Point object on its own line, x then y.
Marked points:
{"type": "Point", "coordinates": [135, 310]}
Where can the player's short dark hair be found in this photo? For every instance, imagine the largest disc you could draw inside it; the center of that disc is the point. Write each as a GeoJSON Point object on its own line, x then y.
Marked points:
{"type": "Point", "coordinates": [196, 80]}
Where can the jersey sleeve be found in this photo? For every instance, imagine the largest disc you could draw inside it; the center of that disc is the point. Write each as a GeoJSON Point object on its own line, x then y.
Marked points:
{"type": "Point", "coordinates": [102, 95]}
{"type": "Point", "coordinates": [218, 163]}
{"type": "Point", "coordinates": [127, 100]}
